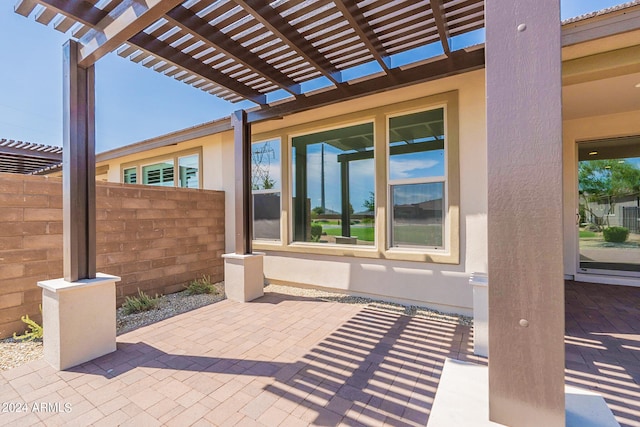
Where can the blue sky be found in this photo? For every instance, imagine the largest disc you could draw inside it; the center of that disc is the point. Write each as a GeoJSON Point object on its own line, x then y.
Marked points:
{"type": "Point", "coordinates": [132, 102]}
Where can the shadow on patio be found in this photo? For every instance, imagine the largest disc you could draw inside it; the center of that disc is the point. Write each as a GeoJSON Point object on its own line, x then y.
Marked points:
{"type": "Point", "coordinates": [278, 361]}
{"type": "Point", "coordinates": [290, 361]}
{"type": "Point", "coordinates": [602, 345]}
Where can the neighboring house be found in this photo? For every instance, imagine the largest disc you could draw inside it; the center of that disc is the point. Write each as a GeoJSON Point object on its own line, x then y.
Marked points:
{"type": "Point", "coordinates": [429, 174]}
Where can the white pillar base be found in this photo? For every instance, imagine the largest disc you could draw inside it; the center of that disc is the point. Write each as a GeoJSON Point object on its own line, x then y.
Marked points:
{"type": "Point", "coordinates": [462, 399]}
{"type": "Point", "coordinates": [244, 276]}
{"type": "Point", "coordinates": [480, 284]}
{"type": "Point", "coordinates": [79, 319]}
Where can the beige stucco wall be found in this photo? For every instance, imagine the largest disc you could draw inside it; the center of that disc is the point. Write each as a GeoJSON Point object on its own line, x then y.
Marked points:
{"type": "Point", "coordinates": [583, 129]}
{"type": "Point", "coordinates": [442, 286]}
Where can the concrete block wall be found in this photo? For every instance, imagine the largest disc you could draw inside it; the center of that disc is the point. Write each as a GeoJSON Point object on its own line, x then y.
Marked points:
{"type": "Point", "coordinates": [156, 238]}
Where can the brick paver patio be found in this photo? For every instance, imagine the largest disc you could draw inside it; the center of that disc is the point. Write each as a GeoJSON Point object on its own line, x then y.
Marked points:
{"type": "Point", "coordinates": [288, 361]}
{"type": "Point", "coordinates": [602, 345]}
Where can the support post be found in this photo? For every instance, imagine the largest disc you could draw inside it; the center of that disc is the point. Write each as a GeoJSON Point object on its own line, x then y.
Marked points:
{"type": "Point", "coordinates": [524, 154]}
{"type": "Point", "coordinates": [243, 270]}
{"type": "Point", "coordinates": [78, 311]}
{"type": "Point", "coordinates": [242, 161]}
{"type": "Point", "coordinates": [79, 182]}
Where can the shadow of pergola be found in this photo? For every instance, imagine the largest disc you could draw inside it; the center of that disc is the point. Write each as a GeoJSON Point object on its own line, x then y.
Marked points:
{"type": "Point", "coordinates": [377, 367]}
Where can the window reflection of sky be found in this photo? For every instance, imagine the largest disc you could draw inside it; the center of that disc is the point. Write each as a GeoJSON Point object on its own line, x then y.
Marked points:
{"type": "Point", "coordinates": [417, 165]}
{"type": "Point", "coordinates": [361, 178]}
{"type": "Point", "coordinates": [417, 193]}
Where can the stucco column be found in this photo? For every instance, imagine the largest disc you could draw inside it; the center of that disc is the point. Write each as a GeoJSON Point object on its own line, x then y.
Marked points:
{"type": "Point", "coordinates": [524, 158]}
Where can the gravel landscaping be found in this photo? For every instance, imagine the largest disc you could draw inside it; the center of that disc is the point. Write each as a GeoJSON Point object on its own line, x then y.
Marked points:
{"type": "Point", "coordinates": [14, 353]}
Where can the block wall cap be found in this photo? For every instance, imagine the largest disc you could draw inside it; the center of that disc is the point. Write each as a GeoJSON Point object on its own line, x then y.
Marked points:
{"type": "Point", "coordinates": [61, 285]}
{"type": "Point", "coordinates": [245, 256]}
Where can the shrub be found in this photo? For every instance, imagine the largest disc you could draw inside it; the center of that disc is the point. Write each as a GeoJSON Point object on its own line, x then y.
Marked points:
{"type": "Point", "coordinates": [34, 334]}
{"type": "Point", "coordinates": [316, 232]}
{"type": "Point", "coordinates": [201, 286]}
{"type": "Point", "coordinates": [142, 302]}
{"type": "Point", "coordinates": [615, 234]}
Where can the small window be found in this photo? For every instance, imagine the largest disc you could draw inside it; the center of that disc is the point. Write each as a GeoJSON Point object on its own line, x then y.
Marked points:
{"type": "Point", "coordinates": [188, 167]}
{"type": "Point", "coordinates": [333, 186]}
{"type": "Point", "coordinates": [131, 176]}
{"type": "Point", "coordinates": [159, 174]}
{"type": "Point", "coordinates": [417, 178]}
{"type": "Point", "coordinates": [265, 185]}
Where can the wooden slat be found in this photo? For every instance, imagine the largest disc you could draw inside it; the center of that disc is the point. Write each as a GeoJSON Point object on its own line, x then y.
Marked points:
{"type": "Point", "coordinates": [25, 7]}
{"type": "Point", "coordinates": [175, 56]}
{"type": "Point", "coordinates": [280, 27]}
{"type": "Point", "coordinates": [359, 23]}
{"type": "Point", "coordinates": [45, 16]}
{"type": "Point", "coordinates": [215, 38]}
{"type": "Point", "coordinates": [80, 10]}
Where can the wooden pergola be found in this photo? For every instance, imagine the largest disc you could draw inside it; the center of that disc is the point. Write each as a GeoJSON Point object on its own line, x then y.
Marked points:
{"type": "Point", "coordinates": [27, 157]}
{"type": "Point", "coordinates": [291, 56]}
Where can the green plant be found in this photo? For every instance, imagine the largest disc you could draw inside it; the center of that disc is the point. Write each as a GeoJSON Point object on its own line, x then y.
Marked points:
{"type": "Point", "coordinates": [615, 234]}
{"type": "Point", "coordinates": [201, 286]}
{"type": "Point", "coordinates": [36, 330]}
{"type": "Point", "coordinates": [316, 232]}
{"type": "Point", "coordinates": [142, 302]}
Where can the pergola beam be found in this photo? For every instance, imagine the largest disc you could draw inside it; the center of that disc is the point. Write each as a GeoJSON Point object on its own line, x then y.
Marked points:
{"type": "Point", "coordinates": [175, 56]}
{"type": "Point", "coordinates": [441, 23]}
{"type": "Point", "coordinates": [127, 19]}
{"type": "Point", "coordinates": [268, 17]}
{"type": "Point", "coordinates": [213, 37]}
{"type": "Point", "coordinates": [458, 62]}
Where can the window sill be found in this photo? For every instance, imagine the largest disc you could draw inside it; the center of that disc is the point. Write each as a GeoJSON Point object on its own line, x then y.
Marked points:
{"type": "Point", "coordinates": [395, 254]}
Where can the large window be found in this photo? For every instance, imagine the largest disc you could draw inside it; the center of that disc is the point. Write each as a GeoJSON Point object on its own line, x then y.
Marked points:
{"type": "Point", "coordinates": [265, 185]}
{"type": "Point", "coordinates": [177, 170]}
{"type": "Point", "coordinates": [333, 186]}
{"type": "Point", "coordinates": [380, 183]}
{"type": "Point", "coordinates": [417, 179]}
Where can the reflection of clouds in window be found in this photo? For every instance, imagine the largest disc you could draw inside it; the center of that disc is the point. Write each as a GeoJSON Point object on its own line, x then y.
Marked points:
{"type": "Point", "coordinates": [361, 183]}
{"type": "Point", "coordinates": [417, 193]}
{"type": "Point", "coordinates": [412, 166]}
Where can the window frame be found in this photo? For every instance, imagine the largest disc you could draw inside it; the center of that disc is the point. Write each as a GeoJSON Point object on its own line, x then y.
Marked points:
{"type": "Point", "coordinates": [390, 183]}
{"type": "Point", "coordinates": [449, 254]}
{"type": "Point", "coordinates": [313, 130]}
{"type": "Point", "coordinates": [174, 156]}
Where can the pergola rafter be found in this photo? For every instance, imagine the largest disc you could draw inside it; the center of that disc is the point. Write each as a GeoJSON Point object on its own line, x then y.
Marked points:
{"type": "Point", "coordinates": [441, 23]}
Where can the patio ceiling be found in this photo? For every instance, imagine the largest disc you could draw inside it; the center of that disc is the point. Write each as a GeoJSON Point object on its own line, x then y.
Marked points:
{"type": "Point", "coordinates": [26, 157]}
{"type": "Point", "coordinates": [285, 56]}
